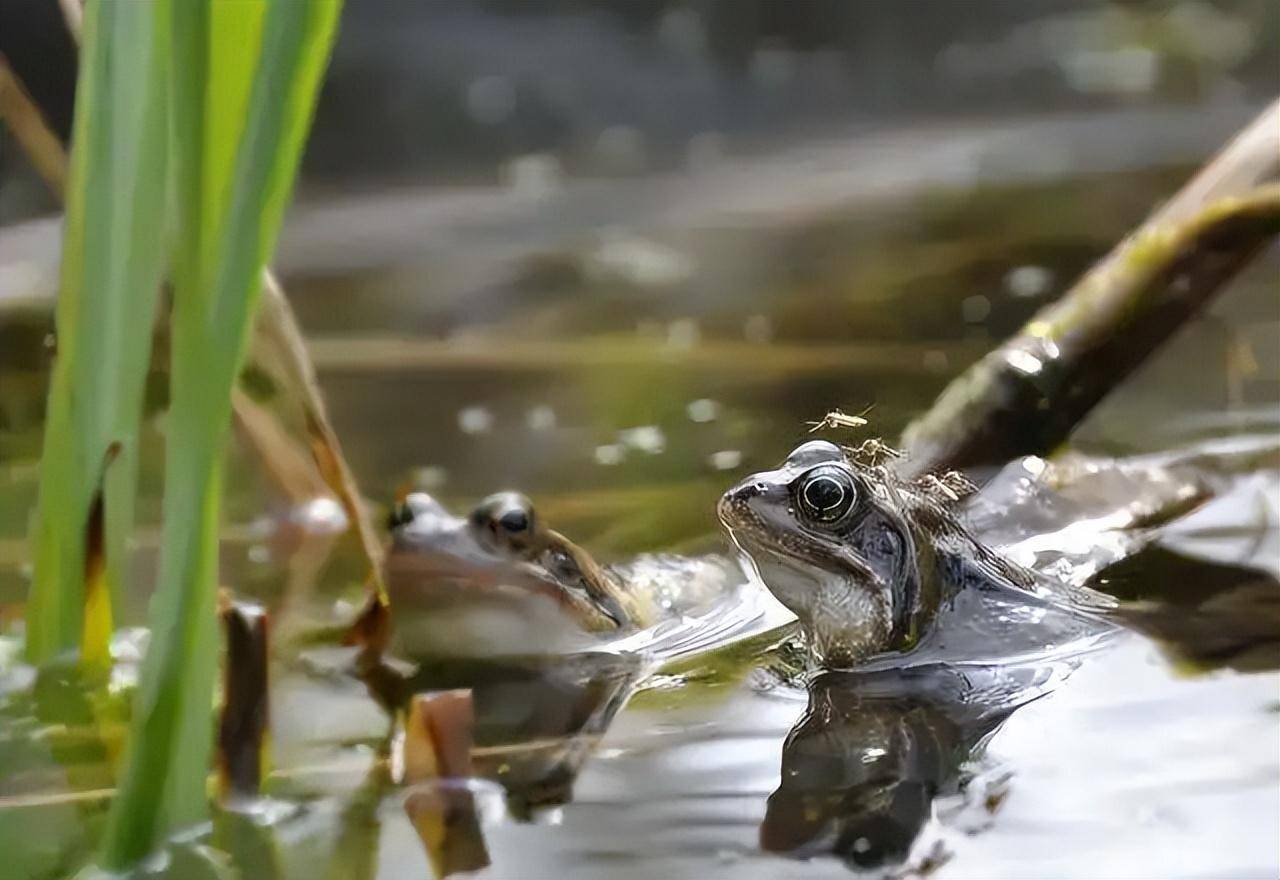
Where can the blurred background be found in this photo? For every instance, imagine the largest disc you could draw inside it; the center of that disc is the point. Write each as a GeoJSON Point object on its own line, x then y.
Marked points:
{"type": "Point", "coordinates": [617, 253]}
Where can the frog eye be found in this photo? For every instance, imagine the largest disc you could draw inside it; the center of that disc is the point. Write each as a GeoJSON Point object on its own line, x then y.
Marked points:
{"type": "Point", "coordinates": [514, 521]}
{"type": "Point", "coordinates": [408, 509]}
{"type": "Point", "coordinates": [826, 493]}
{"type": "Point", "coordinates": [505, 520]}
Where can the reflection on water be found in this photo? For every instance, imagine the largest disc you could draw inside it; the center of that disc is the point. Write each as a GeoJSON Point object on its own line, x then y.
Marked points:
{"type": "Point", "coordinates": [861, 769]}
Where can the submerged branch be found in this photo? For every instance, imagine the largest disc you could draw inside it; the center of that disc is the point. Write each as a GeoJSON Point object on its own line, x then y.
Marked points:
{"type": "Point", "coordinates": [1027, 395]}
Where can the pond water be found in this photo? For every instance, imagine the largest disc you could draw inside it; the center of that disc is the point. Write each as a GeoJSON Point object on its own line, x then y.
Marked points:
{"type": "Point", "coordinates": [622, 363]}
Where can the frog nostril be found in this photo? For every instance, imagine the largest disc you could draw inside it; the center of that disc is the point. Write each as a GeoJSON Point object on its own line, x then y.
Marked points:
{"type": "Point", "coordinates": [746, 491]}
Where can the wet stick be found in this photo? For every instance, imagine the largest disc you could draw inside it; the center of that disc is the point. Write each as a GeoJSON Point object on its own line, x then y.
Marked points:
{"type": "Point", "coordinates": [242, 728]}
{"type": "Point", "coordinates": [436, 755]}
{"type": "Point", "coordinates": [1029, 394]}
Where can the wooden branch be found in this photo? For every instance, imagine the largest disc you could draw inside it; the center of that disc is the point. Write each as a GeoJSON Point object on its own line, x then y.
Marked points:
{"type": "Point", "coordinates": [1029, 394]}
{"type": "Point", "coordinates": [277, 349]}
{"type": "Point", "coordinates": [243, 721]}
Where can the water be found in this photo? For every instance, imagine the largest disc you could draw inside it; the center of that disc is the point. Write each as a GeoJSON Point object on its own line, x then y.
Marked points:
{"type": "Point", "coordinates": [579, 368]}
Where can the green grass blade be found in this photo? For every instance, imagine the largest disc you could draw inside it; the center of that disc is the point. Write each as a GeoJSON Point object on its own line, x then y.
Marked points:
{"type": "Point", "coordinates": [230, 204]}
{"type": "Point", "coordinates": [111, 265]}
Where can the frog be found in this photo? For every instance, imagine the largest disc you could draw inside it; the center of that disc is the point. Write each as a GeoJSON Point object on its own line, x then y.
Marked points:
{"type": "Point", "coordinates": [868, 560]}
{"type": "Point", "coordinates": [552, 593]}
{"type": "Point", "coordinates": [874, 565]}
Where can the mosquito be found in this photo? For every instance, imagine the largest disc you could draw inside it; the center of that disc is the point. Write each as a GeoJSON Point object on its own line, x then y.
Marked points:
{"type": "Point", "coordinates": [839, 419]}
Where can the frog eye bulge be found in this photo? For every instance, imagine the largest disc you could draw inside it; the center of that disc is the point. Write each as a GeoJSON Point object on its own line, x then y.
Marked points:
{"type": "Point", "coordinates": [826, 493]}
{"type": "Point", "coordinates": [505, 520]}
{"type": "Point", "coordinates": [514, 521]}
{"type": "Point", "coordinates": [407, 509]}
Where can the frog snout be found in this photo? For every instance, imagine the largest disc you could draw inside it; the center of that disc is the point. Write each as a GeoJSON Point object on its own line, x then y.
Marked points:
{"type": "Point", "coordinates": [748, 500]}
{"type": "Point", "coordinates": [745, 491]}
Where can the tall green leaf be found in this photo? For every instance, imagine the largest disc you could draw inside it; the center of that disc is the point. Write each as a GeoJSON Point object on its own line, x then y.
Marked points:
{"type": "Point", "coordinates": [229, 206]}
{"type": "Point", "coordinates": [111, 265]}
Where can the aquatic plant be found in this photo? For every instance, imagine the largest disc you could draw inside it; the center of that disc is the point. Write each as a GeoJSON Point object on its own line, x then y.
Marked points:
{"type": "Point", "coordinates": [190, 123]}
{"type": "Point", "coordinates": [111, 264]}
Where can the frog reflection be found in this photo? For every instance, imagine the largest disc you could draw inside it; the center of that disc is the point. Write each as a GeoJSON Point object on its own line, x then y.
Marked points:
{"type": "Point", "coordinates": [863, 765]}
{"type": "Point", "coordinates": [536, 719]}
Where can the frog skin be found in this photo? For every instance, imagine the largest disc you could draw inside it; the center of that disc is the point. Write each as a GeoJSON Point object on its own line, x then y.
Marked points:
{"type": "Point", "coordinates": [502, 547]}
{"type": "Point", "coordinates": [504, 551]}
{"type": "Point", "coordinates": [870, 562]}
{"type": "Point", "coordinates": [863, 558]}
